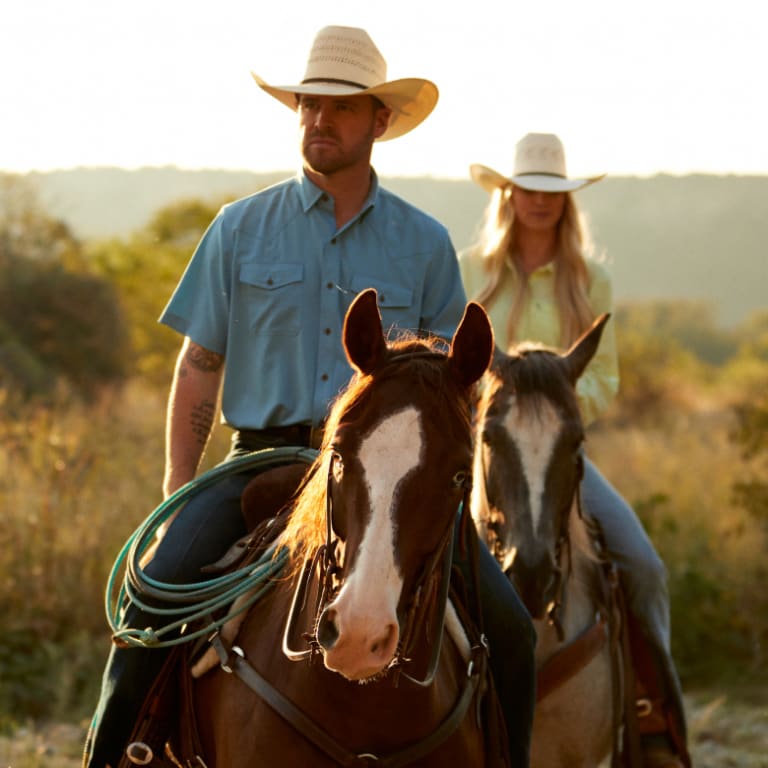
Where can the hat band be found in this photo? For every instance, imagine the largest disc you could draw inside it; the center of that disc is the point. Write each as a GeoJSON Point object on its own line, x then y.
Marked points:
{"type": "Point", "coordinates": [542, 173]}
{"type": "Point", "coordinates": [334, 80]}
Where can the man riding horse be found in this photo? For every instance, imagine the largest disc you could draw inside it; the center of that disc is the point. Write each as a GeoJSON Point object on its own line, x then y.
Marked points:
{"type": "Point", "coordinates": [261, 307]}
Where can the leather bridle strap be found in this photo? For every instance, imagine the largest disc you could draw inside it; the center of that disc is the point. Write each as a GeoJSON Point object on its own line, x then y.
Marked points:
{"type": "Point", "coordinates": [233, 661]}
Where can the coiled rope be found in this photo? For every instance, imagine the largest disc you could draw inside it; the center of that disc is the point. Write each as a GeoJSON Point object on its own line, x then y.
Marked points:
{"type": "Point", "coordinates": [182, 605]}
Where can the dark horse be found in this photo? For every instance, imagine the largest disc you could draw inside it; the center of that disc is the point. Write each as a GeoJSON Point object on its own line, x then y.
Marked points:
{"type": "Point", "coordinates": [366, 672]}
{"type": "Point", "coordinates": [525, 501]}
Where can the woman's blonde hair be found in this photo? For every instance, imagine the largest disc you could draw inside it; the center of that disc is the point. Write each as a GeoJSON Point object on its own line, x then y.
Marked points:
{"type": "Point", "coordinates": [497, 246]}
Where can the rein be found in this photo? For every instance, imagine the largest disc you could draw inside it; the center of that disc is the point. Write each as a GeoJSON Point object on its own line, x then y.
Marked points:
{"type": "Point", "coordinates": [563, 544]}
{"type": "Point", "coordinates": [233, 661]}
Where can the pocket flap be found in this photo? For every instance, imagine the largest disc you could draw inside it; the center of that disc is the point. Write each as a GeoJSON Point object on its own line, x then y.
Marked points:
{"type": "Point", "coordinates": [271, 276]}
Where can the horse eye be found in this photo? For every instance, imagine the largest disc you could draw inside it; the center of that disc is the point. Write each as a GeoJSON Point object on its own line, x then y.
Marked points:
{"type": "Point", "coordinates": [337, 466]}
{"type": "Point", "coordinates": [460, 478]}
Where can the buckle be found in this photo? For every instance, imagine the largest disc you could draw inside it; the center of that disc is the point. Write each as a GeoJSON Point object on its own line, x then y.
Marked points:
{"type": "Point", "coordinates": [644, 707]}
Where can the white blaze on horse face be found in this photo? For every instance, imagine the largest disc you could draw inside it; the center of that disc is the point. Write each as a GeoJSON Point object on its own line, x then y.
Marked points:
{"type": "Point", "coordinates": [366, 606]}
{"type": "Point", "coordinates": [535, 430]}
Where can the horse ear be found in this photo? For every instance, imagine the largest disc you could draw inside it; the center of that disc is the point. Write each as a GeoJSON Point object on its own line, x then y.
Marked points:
{"type": "Point", "coordinates": [364, 341]}
{"type": "Point", "coordinates": [472, 345]}
{"type": "Point", "coordinates": [583, 349]}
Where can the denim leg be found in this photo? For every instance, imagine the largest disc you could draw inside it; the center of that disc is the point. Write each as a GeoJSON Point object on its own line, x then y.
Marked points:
{"type": "Point", "coordinates": [512, 641]}
{"type": "Point", "coordinates": [643, 574]}
{"type": "Point", "coordinates": [201, 533]}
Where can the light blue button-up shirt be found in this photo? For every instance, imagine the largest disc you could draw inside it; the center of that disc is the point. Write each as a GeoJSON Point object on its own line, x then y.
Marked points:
{"type": "Point", "coordinates": [271, 280]}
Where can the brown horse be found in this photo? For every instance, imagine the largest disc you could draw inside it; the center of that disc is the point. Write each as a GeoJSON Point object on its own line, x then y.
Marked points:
{"type": "Point", "coordinates": [347, 661]}
{"type": "Point", "coordinates": [527, 470]}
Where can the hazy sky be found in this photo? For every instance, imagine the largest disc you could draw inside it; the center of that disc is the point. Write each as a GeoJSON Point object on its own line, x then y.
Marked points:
{"type": "Point", "coordinates": [673, 86]}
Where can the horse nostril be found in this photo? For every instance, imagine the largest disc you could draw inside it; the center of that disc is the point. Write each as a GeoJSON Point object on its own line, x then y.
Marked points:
{"type": "Point", "coordinates": [327, 631]}
{"type": "Point", "coordinates": [384, 643]}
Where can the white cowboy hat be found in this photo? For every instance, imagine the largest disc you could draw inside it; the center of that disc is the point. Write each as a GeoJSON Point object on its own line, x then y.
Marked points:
{"type": "Point", "coordinates": [539, 167]}
{"type": "Point", "coordinates": [344, 61]}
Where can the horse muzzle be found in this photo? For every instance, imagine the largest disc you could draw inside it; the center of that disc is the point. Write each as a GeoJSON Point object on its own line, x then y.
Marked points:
{"type": "Point", "coordinates": [358, 650]}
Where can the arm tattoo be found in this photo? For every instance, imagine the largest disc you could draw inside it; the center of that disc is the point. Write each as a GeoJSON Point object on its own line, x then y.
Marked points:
{"type": "Point", "coordinates": [201, 419]}
{"type": "Point", "coordinates": [203, 359]}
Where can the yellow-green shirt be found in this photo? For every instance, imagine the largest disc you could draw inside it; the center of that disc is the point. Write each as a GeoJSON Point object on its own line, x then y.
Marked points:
{"type": "Point", "coordinates": [540, 322]}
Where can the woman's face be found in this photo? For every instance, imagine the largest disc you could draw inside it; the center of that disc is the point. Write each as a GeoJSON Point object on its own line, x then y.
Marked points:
{"type": "Point", "coordinates": [539, 211]}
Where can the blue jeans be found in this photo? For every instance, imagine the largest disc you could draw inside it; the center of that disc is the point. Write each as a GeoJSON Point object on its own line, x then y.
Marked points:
{"type": "Point", "coordinates": [642, 573]}
{"type": "Point", "coordinates": [202, 532]}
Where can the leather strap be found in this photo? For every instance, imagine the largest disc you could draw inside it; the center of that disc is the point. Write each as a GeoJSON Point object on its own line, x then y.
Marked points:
{"type": "Point", "coordinates": [570, 660]}
{"type": "Point", "coordinates": [233, 661]}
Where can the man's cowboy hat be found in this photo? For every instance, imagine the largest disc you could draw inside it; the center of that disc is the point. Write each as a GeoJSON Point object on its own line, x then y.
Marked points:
{"type": "Point", "coordinates": [539, 167]}
{"type": "Point", "coordinates": [345, 62]}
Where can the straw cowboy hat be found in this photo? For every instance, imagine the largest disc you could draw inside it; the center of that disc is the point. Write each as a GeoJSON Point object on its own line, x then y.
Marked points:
{"type": "Point", "coordinates": [539, 167]}
{"type": "Point", "coordinates": [344, 61]}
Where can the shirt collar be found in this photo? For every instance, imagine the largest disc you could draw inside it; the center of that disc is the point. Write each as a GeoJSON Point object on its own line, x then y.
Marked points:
{"type": "Point", "coordinates": [544, 269]}
{"type": "Point", "coordinates": [311, 194]}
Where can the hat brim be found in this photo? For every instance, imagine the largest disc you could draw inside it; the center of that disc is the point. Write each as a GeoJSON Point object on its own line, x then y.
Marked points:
{"type": "Point", "coordinates": [411, 99]}
{"type": "Point", "coordinates": [491, 180]}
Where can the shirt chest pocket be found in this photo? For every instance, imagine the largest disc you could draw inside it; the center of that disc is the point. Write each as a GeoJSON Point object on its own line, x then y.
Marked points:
{"type": "Point", "coordinates": [273, 296]}
{"type": "Point", "coordinates": [396, 302]}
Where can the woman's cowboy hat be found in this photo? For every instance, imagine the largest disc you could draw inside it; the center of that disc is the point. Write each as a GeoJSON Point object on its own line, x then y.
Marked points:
{"type": "Point", "coordinates": [345, 62]}
{"type": "Point", "coordinates": [539, 167]}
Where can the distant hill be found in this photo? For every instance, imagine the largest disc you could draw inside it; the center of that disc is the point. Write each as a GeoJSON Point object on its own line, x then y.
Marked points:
{"type": "Point", "coordinates": [691, 237]}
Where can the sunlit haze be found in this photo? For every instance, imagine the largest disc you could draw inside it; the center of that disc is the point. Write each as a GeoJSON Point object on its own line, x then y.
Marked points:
{"type": "Point", "coordinates": [632, 88]}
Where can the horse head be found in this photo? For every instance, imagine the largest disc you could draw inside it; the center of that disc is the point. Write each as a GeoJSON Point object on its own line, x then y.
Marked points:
{"type": "Point", "coordinates": [396, 464]}
{"type": "Point", "coordinates": [528, 462]}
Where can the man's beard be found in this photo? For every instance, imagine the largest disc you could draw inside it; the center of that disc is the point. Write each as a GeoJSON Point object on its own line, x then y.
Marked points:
{"type": "Point", "coordinates": [329, 160]}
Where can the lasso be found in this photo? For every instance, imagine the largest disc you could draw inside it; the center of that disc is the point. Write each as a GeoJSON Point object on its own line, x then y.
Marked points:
{"type": "Point", "coordinates": [184, 605]}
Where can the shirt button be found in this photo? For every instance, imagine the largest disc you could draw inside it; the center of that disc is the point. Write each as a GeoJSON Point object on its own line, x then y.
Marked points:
{"type": "Point", "coordinates": [324, 377]}
{"type": "Point", "coordinates": [329, 285]}
{"type": "Point", "coordinates": [382, 297]}
{"type": "Point", "coordinates": [270, 281]}
{"type": "Point", "coordinates": [327, 331]}
{"type": "Point", "coordinates": [333, 241]}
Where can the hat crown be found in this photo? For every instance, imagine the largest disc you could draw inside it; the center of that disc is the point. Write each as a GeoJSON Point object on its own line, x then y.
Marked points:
{"type": "Point", "coordinates": [345, 55]}
{"type": "Point", "coordinates": [540, 153]}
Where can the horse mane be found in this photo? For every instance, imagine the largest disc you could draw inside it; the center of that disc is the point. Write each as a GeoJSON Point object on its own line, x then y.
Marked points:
{"type": "Point", "coordinates": [423, 360]}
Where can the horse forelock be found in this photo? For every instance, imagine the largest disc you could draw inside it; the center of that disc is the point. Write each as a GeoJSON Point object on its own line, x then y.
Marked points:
{"type": "Point", "coordinates": [536, 375]}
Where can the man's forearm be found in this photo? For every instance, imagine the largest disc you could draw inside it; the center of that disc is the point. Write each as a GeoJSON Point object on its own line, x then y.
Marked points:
{"type": "Point", "coordinates": [191, 413]}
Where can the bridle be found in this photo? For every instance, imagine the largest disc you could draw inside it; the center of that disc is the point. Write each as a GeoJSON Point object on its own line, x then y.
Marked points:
{"type": "Point", "coordinates": [563, 554]}
{"type": "Point", "coordinates": [325, 561]}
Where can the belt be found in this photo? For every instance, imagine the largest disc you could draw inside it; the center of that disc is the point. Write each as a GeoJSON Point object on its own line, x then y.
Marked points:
{"type": "Point", "coordinates": [291, 434]}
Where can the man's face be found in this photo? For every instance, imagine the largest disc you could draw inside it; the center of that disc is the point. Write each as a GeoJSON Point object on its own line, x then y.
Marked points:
{"type": "Point", "coordinates": [337, 132]}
